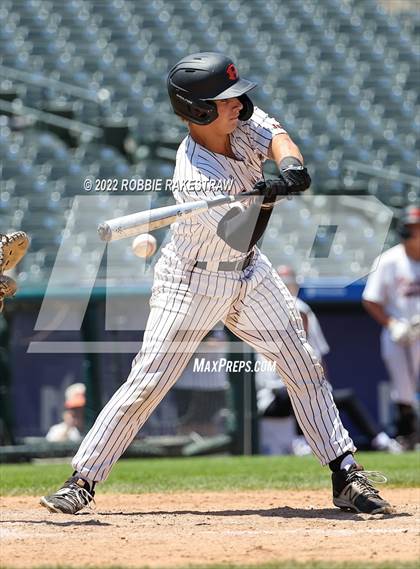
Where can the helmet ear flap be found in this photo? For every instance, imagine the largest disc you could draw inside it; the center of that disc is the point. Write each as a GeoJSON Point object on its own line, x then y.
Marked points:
{"type": "Point", "coordinates": [194, 110]}
{"type": "Point", "coordinates": [247, 108]}
{"type": "Point", "coordinates": [203, 112]}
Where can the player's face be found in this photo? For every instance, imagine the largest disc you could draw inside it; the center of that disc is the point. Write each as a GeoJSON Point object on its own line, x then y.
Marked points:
{"type": "Point", "coordinates": [228, 111]}
{"type": "Point", "coordinates": [412, 244]}
{"type": "Point", "coordinates": [75, 417]}
{"type": "Point", "coordinates": [414, 232]}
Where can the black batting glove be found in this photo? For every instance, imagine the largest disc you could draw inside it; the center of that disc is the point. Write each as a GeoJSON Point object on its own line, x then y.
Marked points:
{"type": "Point", "coordinates": [294, 174]}
{"type": "Point", "coordinates": [271, 189]}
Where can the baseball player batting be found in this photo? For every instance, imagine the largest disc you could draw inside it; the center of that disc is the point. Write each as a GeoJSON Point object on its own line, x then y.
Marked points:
{"type": "Point", "coordinates": [212, 270]}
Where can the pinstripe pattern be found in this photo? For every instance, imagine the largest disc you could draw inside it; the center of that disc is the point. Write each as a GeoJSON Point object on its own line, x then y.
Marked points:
{"type": "Point", "coordinates": [186, 320]}
{"type": "Point", "coordinates": [262, 316]}
{"type": "Point", "coordinates": [187, 302]}
{"type": "Point", "coordinates": [268, 318]}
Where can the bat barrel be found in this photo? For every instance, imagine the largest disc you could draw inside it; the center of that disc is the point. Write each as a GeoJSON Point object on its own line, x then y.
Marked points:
{"type": "Point", "coordinates": [124, 226]}
{"type": "Point", "coordinates": [146, 221]}
{"type": "Point", "coordinates": [104, 232]}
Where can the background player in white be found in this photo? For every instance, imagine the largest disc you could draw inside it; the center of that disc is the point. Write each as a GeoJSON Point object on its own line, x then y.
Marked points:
{"type": "Point", "coordinates": [72, 425]}
{"type": "Point", "coordinates": [392, 298]}
{"type": "Point", "coordinates": [212, 270]}
{"type": "Point", "coordinates": [274, 402]}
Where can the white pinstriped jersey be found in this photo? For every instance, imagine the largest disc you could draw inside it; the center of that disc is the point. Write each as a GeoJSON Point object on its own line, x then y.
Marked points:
{"type": "Point", "coordinates": [199, 174]}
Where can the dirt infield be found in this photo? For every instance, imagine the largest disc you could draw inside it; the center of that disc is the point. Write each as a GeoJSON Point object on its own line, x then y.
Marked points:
{"type": "Point", "coordinates": [198, 528]}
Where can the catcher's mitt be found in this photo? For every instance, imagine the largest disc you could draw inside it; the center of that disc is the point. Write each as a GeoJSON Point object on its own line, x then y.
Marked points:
{"type": "Point", "coordinates": [12, 248]}
{"type": "Point", "coordinates": [8, 287]}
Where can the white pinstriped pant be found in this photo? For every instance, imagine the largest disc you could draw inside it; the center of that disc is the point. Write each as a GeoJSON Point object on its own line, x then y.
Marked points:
{"type": "Point", "coordinates": [265, 318]}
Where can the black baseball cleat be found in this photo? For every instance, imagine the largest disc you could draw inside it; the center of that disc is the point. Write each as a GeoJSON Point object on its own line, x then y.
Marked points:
{"type": "Point", "coordinates": [73, 496]}
{"type": "Point", "coordinates": [353, 490]}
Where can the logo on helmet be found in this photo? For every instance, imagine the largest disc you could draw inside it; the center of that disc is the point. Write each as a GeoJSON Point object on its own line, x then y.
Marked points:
{"type": "Point", "coordinates": [231, 72]}
{"type": "Point", "coordinates": [412, 215]}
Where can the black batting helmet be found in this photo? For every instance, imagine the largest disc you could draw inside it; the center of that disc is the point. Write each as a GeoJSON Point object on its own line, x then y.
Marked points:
{"type": "Point", "coordinates": [410, 216]}
{"type": "Point", "coordinates": [201, 78]}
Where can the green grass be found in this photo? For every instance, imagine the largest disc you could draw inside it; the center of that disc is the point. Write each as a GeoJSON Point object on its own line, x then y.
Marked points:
{"type": "Point", "coordinates": [209, 474]}
{"type": "Point", "coordinates": [276, 565]}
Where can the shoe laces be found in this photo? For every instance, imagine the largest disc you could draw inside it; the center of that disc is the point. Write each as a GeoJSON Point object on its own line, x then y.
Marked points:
{"type": "Point", "coordinates": [364, 480]}
{"type": "Point", "coordinates": [77, 496]}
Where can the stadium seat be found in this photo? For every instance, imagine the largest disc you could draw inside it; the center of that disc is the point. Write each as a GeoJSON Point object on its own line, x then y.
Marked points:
{"type": "Point", "coordinates": [342, 77]}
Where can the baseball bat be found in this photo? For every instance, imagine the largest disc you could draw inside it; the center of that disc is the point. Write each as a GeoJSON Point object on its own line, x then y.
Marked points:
{"type": "Point", "coordinates": [146, 221]}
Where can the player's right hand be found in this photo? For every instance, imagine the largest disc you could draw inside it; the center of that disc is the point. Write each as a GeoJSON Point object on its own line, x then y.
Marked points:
{"type": "Point", "coordinates": [400, 331]}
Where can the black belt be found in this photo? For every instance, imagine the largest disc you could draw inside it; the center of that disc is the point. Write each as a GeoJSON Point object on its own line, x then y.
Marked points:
{"type": "Point", "coordinates": [228, 265]}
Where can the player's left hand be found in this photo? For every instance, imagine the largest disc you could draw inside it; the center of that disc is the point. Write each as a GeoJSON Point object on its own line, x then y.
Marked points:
{"type": "Point", "coordinates": [281, 186]}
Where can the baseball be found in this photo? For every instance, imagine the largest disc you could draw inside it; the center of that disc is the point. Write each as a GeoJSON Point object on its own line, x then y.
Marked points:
{"type": "Point", "coordinates": [144, 245]}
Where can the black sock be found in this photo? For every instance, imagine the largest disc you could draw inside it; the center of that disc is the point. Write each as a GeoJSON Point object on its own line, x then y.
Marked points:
{"type": "Point", "coordinates": [336, 463]}
{"type": "Point", "coordinates": [89, 483]}
{"type": "Point", "coordinates": [407, 418]}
